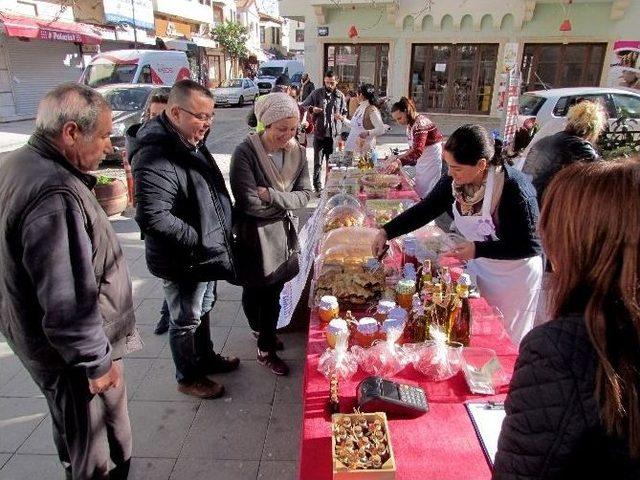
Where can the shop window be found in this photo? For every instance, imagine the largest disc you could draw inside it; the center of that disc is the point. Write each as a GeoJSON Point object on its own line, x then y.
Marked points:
{"type": "Point", "coordinates": [357, 64]}
{"type": "Point", "coordinates": [453, 78]}
{"type": "Point", "coordinates": [551, 65]}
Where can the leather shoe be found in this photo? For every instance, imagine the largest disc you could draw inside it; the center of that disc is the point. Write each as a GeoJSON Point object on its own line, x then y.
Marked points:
{"type": "Point", "coordinates": [202, 388]}
{"type": "Point", "coordinates": [219, 364]}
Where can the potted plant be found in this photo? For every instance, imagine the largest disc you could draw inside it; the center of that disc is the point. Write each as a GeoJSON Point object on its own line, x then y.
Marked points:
{"type": "Point", "coordinates": [111, 193]}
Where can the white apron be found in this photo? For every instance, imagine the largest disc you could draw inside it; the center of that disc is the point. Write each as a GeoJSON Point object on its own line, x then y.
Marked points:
{"type": "Point", "coordinates": [428, 166]}
{"type": "Point", "coordinates": [511, 285]}
{"type": "Point", "coordinates": [357, 127]}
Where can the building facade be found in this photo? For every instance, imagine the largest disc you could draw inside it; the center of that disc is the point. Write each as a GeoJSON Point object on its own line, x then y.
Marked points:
{"type": "Point", "coordinates": [452, 58]}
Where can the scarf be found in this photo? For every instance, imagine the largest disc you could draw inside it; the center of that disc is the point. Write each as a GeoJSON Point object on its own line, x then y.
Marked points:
{"type": "Point", "coordinates": [470, 197]}
{"type": "Point", "coordinates": [280, 179]}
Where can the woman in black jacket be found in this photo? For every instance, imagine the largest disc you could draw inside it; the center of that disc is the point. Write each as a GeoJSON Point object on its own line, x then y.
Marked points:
{"type": "Point", "coordinates": [269, 179]}
{"type": "Point", "coordinates": [495, 209]}
{"type": "Point", "coordinates": [573, 409]}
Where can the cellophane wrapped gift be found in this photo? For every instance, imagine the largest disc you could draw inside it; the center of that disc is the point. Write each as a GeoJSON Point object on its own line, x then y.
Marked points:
{"type": "Point", "coordinates": [339, 360]}
{"type": "Point", "coordinates": [437, 359]}
{"type": "Point", "coordinates": [386, 358]}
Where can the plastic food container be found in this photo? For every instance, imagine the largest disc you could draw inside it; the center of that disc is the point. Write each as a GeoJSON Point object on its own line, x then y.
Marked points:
{"type": "Point", "coordinates": [343, 216]}
{"type": "Point", "coordinates": [435, 362]}
{"type": "Point", "coordinates": [482, 370]}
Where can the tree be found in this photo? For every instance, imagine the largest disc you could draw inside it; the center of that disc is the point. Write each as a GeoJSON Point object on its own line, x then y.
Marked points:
{"type": "Point", "coordinates": [232, 38]}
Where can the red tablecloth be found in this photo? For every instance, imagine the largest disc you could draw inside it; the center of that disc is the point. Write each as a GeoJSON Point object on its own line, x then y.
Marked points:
{"type": "Point", "coordinates": [439, 445]}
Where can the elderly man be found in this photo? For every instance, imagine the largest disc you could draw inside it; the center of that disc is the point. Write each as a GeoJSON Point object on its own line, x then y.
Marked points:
{"type": "Point", "coordinates": [65, 294]}
{"type": "Point", "coordinates": [327, 104]}
{"type": "Point", "coordinates": [184, 211]}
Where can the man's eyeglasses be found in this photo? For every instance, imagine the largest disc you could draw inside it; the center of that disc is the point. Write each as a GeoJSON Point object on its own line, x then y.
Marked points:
{"type": "Point", "coordinates": [203, 117]}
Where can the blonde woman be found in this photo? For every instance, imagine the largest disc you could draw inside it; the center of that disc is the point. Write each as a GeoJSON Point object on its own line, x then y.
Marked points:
{"type": "Point", "coordinates": [585, 122]}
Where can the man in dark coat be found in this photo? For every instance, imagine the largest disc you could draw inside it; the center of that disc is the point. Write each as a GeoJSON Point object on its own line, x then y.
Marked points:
{"type": "Point", "coordinates": [184, 211]}
{"type": "Point", "coordinates": [307, 87]}
{"type": "Point", "coordinates": [326, 104]}
{"type": "Point", "coordinates": [66, 307]}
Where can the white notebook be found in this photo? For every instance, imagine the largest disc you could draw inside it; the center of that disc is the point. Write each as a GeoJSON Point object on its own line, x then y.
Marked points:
{"type": "Point", "coordinates": [487, 418]}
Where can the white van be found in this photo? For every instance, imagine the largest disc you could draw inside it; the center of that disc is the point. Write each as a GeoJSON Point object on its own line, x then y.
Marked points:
{"type": "Point", "coordinates": [157, 67]}
{"type": "Point", "coordinates": [272, 69]}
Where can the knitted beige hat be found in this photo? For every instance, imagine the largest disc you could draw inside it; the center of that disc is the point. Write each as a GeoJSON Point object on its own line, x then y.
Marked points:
{"type": "Point", "coordinates": [275, 106]}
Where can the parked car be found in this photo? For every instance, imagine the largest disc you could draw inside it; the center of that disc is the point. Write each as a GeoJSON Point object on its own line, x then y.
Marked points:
{"type": "Point", "coordinates": [154, 67]}
{"type": "Point", "coordinates": [272, 69]}
{"type": "Point", "coordinates": [236, 91]}
{"type": "Point", "coordinates": [128, 104]}
{"type": "Point", "coordinates": [546, 105]}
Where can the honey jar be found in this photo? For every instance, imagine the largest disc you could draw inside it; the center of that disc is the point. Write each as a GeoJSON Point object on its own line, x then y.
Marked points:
{"type": "Point", "coordinates": [366, 332]}
{"type": "Point", "coordinates": [335, 329]}
{"type": "Point", "coordinates": [397, 320]}
{"type": "Point", "coordinates": [383, 309]}
{"type": "Point", "coordinates": [404, 293]}
{"type": "Point", "coordinates": [328, 309]}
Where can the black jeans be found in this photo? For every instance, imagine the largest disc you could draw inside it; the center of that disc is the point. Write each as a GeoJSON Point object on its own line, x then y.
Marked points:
{"type": "Point", "coordinates": [322, 148]}
{"type": "Point", "coordinates": [261, 305]}
{"type": "Point", "coordinates": [84, 424]}
{"type": "Point", "coordinates": [189, 335]}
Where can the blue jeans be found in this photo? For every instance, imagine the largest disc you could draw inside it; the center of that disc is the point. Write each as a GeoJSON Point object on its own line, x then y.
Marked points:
{"type": "Point", "coordinates": [189, 335]}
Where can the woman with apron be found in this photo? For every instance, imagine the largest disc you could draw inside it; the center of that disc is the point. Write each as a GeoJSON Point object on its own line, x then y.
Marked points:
{"type": "Point", "coordinates": [495, 208]}
{"type": "Point", "coordinates": [425, 146]}
{"type": "Point", "coordinates": [366, 123]}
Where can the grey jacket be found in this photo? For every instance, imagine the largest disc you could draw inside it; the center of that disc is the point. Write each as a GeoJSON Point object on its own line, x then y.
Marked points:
{"type": "Point", "coordinates": [331, 104]}
{"type": "Point", "coordinates": [266, 238]}
{"type": "Point", "coordinates": [65, 291]}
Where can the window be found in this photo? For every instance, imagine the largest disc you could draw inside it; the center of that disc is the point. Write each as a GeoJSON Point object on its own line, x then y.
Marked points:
{"type": "Point", "coordinates": [262, 35]}
{"type": "Point", "coordinates": [565, 103]}
{"type": "Point", "coordinates": [246, 84]}
{"type": "Point", "coordinates": [27, 8]}
{"type": "Point", "coordinates": [145, 75]}
{"type": "Point", "coordinates": [300, 35]}
{"type": "Point", "coordinates": [361, 63]}
{"type": "Point", "coordinates": [551, 65]}
{"type": "Point", "coordinates": [530, 104]}
{"type": "Point", "coordinates": [453, 78]}
{"type": "Point", "coordinates": [629, 103]}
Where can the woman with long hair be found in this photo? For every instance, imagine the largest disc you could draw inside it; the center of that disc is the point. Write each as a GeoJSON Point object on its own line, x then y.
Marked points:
{"type": "Point", "coordinates": [366, 123]}
{"type": "Point", "coordinates": [495, 208]}
{"type": "Point", "coordinates": [573, 409]}
{"type": "Point", "coordinates": [425, 146]}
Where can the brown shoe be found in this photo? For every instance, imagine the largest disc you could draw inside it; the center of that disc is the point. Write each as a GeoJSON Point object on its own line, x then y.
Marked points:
{"type": "Point", "coordinates": [202, 388]}
{"type": "Point", "coordinates": [273, 362]}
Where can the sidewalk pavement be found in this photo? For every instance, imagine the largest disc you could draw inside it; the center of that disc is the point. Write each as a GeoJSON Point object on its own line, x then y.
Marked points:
{"type": "Point", "coordinates": [251, 433]}
{"type": "Point", "coordinates": [15, 134]}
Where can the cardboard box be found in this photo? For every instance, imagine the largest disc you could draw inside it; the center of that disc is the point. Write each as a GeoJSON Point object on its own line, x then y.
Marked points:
{"type": "Point", "coordinates": [341, 472]}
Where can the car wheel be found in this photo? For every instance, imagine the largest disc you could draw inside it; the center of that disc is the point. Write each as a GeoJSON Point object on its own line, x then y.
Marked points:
{"type": "Point", "coordinates": [241, 101]}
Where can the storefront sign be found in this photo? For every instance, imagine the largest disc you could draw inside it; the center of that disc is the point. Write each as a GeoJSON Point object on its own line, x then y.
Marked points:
{"type": "Point", "coordinates": [323, 31]}
{"type": "Point", "coordinates": [133, 12]}
{"type": "Point", "coordinates": [511, 110]}
{"type": "Point", "coordinates": [46, 34]}
{"type": "Point", "coordinates": [625, 69]}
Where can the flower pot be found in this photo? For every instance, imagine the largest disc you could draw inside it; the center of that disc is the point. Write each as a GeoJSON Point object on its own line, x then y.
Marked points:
{"type": "Point", "coordinates": [112, 196]}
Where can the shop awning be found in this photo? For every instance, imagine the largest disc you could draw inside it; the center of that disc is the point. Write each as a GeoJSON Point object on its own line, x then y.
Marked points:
{"type": "Point", "coordinates": [27, 27]}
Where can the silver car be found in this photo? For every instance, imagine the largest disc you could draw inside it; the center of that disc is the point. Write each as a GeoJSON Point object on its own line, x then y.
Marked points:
{"type": "Point", "coordinates": [236, 91]}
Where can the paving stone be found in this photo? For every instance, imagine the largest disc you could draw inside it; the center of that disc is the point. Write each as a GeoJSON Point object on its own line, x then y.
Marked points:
{"type": "Point", "coordinates": [283, 434]}
{"type": "Point", "coordinates": [281, 470]}
{"type": "Point", "coordinates": [295, 345]}
{"type": "Point", "coordinates": [224, 313]}
{"type": "Point", "coordinates": [159, 428]}
{"type": "Point", "coordinates": [226, 291]}
{"type": "Point", "coordinates": [148, 312]}
{"type": "Point", "coordinates": [21, 385]}
{"type": "Point", "coordinates": [30, 467]}
{"type": "Point", "coordinates": [10, 366]}
{"type": "Point", "coordinates": [151, 468]}
{"type": "Point", "coordinates": [144, 288]}
{"type": "Point", "coordinates": [241, 343]}
{"type": "Point", "coordinates": [215, 470]}
{"type": "Point", "coordinates": [135, 370]}
{"type": "Point", "coordinates": [19, 417]}
{"type": "Point", "coordinates": [40, 442]}
{"type": "Point", "coordinates": [250, 383]}
{"type": "Point", "coordinates": [227, 431]}
{"type": "Point", "coordinates": [160, 384]}
{"type": "Point", "coordinates": [138, 269]}
{"type": "Point", "coordinates": [153, 344]}
{"type": "Point", "coordinates": [289, 388]}
{"type": "Point", "coordinates": [4, 458]}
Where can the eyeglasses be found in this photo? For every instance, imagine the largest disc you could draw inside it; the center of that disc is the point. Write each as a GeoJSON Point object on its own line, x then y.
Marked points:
{"type": "Point", "coordinates": [203, 117]}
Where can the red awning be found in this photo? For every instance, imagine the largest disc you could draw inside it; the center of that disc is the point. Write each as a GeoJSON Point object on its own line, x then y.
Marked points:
{"type": "Point", "coordinates": [27, 27]}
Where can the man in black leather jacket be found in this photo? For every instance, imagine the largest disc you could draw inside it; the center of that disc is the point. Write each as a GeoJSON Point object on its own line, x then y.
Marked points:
{"type": "Point", "coordinates": [184, 211]}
